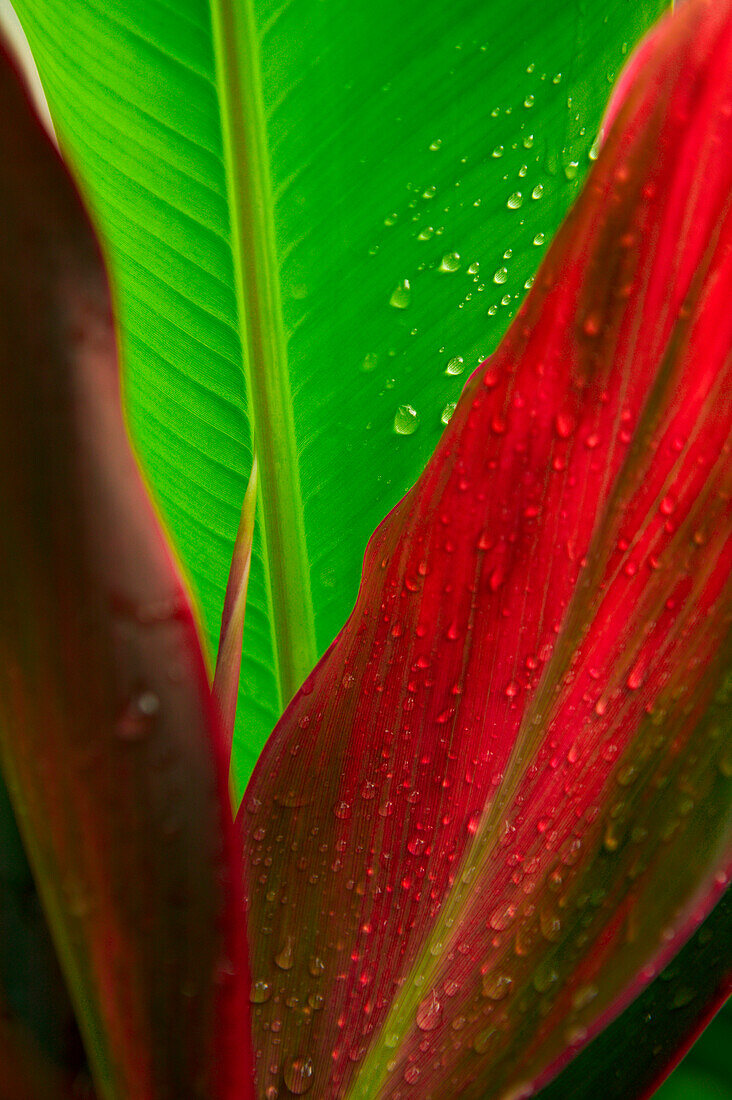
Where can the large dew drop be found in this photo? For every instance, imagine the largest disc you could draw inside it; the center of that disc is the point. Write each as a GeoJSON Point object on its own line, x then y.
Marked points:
{"type": "Point", "coordinates": [285, 958]}
{"type": "Point", "coordinates": [429, 1013]}
{"type": "Point", "coordinates": [406, 420]}
{"type": "Point", "coordinates": [299, 1075]}
{"type": "Point", "coordinates": [450, 262]}
{"type": "Point", "coordinates": [401, 295]}
{"type": "Point", "coordinates": [496, 986]}
{"type": "Point", "coordinates": [261, 991]}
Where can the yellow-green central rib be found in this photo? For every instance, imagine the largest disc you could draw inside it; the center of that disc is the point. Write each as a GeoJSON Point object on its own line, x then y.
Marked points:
{"type": "Point", "coordinates": [262, 337]}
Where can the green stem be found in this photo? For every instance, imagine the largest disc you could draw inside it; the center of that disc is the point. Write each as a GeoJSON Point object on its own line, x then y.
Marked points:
{"type": "Point", "coordinates": [263, 340]}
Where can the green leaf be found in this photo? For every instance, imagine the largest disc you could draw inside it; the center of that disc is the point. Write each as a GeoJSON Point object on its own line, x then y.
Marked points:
{"type": "Point", "coordinates": [320, 218]}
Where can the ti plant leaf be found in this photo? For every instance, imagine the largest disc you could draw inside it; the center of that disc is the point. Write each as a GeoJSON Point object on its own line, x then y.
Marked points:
{"type": "Point", "coordinates": [319, 219]}
{"type": "Point", "coordinates": [631, 1056]}
{"type": "Point", "coordinates": [109, 741]}
{"type": "Point", "coordinates": [228, 661]}
{"type": "Point", "coordinates": [502, 800]}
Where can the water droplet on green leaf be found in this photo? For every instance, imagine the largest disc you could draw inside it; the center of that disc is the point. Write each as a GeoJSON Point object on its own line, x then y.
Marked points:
{"type": "Point", "coordinates": [406, 420]}
{"type": "Point", "coordinates": [401, 295]}
{"type": "Point", "coordinates": [450, 262]}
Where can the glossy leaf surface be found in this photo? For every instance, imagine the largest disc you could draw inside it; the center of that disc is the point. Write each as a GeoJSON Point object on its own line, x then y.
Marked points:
{"type": "Point", "coordinates": [373, 188]}
{"type": "Point", "coordinates": [108, 740]}
{"type": "Point", "coordinates": [502, 800]}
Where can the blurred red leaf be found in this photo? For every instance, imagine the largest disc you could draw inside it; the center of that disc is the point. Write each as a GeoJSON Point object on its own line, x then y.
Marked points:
{"type": "Point", "coordinates": [502, 800]}
{"type": "Point", "coordinates": [108, 737]}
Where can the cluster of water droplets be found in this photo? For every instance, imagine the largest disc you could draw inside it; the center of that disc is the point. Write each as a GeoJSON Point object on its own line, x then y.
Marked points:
{"type": "Point", "coordinates": [459, 199]}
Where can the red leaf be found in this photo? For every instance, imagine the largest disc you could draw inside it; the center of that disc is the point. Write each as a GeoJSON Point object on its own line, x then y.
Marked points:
{"type": "Point", "coordinates": [108, 737]}
{"type": "Point", "coordinates": [501, 802]}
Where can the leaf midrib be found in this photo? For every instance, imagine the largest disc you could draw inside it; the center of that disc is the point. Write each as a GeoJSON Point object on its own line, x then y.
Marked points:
{"type": "Point", "coordinates": [264, 347]}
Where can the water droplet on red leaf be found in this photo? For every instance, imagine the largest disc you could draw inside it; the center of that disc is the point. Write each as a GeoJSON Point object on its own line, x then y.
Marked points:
{"type": "Point", "coordinates": [429, 1013]}
{"type": "Point", "coordinates": [564, 425]}
{"type": "Point", "coordinates": [496, 986]}
{"type": "Point", "coordinates": [261, 991]}
{"type": "Point", "coordinates": [285, 958]}
{"type": "Point", "coordinates": [299, 1075]}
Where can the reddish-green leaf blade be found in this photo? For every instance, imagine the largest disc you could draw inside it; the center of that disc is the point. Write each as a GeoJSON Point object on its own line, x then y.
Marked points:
{"type": "Point", "coordinates": [632, 1056]}
{"type": "Point", "coordinates": [502, 800]}
{"type": "Point", "coordinates": [109, 738]}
